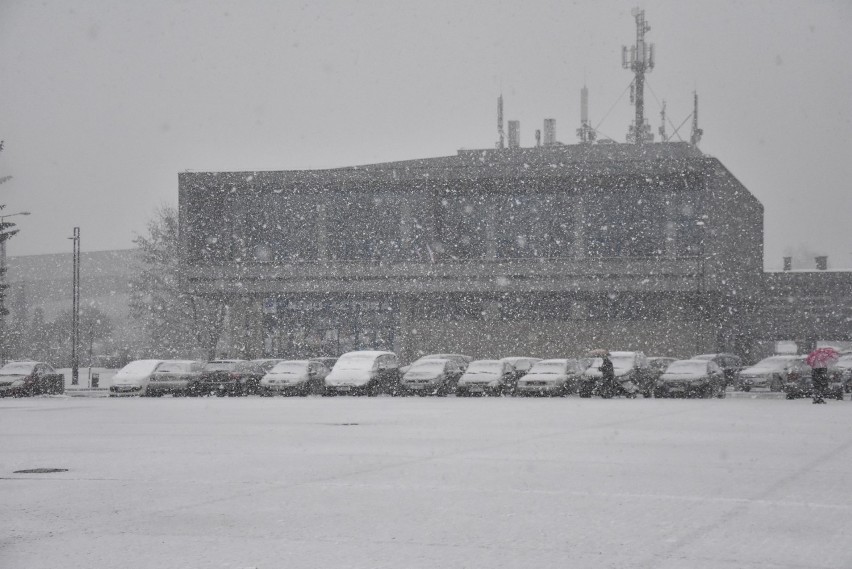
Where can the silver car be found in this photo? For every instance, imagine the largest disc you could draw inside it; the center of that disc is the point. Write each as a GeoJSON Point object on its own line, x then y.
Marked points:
{"type": "Point", "coordinates": [174, 377]}
{"type": "Point", "coordinates": [773, 372]}
{"type": "Point", "coordinates": [294, 377]}
{"type": "Point", "coordinates": [552, 377]}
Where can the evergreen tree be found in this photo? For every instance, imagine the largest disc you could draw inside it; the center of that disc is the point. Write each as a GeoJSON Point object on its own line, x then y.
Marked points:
{"type": "Point", "coordinates": [6, 232]}
{"type": "Point", "coordinates": [177, 324]}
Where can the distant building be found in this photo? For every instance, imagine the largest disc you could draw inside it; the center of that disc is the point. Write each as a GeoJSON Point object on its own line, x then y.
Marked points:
{"type": "Point", "coordinates": [535, 251]}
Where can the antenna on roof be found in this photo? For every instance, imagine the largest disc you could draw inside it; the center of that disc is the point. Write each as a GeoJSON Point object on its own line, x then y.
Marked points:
{"type": "Point", "coordinates": [501, 137]}
{"type": "Point", "coordinates": [585, 133]}
{"type": "Point", "coordinates": [695, 138]}
{"type": "Point", "coordinates": [639, 59]}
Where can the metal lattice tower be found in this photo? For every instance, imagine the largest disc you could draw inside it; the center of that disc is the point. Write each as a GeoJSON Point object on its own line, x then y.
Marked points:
{"type": "Point", "coordinates": [639, 58]}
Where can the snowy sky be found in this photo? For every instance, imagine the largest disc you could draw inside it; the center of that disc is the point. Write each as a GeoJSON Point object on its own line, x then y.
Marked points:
{"type": "Point", "coordinates": [104, 102]}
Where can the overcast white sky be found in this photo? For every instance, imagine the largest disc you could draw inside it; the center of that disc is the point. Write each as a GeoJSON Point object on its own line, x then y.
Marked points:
{"type": "Point", "coordinates": [102, 103]}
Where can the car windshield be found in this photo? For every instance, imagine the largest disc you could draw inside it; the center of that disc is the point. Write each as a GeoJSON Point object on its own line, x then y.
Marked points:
{"type": "Point", "coordinates": [549, 367]}
{"type": "Point", "coordinates": [140, 367]}
{"type": "Point", "coordinates": [17, 368]}
{"type": "Point", "coordinates": [485, 366]}
{"type": "Point", "coordinates": [290, 368]}
{"type": "Point", "coordinates": [174, 367]}
{"type": "Point", "coordinates": [246, 366]}
{"type": "Point", "coordinates": [845, 361]}
{"type": "Point", "coordinates": [436, 366]}
{"type": "Point", "coordinates": [220, 366]}
{"type": "Point", "coordinates": [775, 362]}
{"type": "Point", "coordinates": [356, 362]}
{"type": "Point", "coordinates": [687, 367]}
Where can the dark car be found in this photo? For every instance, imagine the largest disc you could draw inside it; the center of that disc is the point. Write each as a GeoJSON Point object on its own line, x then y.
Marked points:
{"type": "Point", "coordinates": [20, 379]}
{"type": "Point", "coordinates": [731, 365]}
{"type": "Point", "coordinates": [228, 377]}
{"type": "Point", "coordinates": [174, 377]}
{"type": "Point", "coordinates": [691, 378]}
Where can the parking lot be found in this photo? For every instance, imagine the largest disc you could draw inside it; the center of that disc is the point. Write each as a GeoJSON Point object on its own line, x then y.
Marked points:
{"type": "Point", "coordinates": [414, 482]}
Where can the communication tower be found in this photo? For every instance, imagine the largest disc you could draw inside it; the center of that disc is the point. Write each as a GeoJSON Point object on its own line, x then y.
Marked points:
{"type": "Point", "coordinates": [695, 138]}
{"type": "Point", "coordinates": [639, 58]}
{"type": "Point", "coordinates": [585, 133]}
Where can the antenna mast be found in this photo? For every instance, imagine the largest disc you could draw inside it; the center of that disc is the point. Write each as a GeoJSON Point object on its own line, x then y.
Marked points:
{"type": "Point", "coordinates": [501, 144]}
{"type": "Point", "coordinates": [662, 131]}
{"type": "Point", "coordinates": [639, 59]}
{"type": "Point", "coordinates": [585, 133]}
{"type": "Point", "coordinates": [696, 132]}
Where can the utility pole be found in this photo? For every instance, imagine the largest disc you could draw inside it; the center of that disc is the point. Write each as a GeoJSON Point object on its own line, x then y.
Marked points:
{"type": "Point", "coordinates": [75, 310]}
{"type": "Point", "coordinates": [639, 58]}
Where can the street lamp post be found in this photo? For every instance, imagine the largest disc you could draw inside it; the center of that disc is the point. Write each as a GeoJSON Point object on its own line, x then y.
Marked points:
{"type": "Point", "coordinates": [3, 278]}
{"type": "Point", "coordinates": [75, 310]}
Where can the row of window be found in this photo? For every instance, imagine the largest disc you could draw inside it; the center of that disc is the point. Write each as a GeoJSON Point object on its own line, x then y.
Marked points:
{"type": "Point", "coordinates": [283, 228]}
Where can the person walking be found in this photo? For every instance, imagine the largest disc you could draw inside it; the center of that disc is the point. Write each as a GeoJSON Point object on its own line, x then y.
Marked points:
{"type": "Point", "coordinates": [607, 377]}
{"type": "Point", "coordinates": [819, 361]}
{"type": "Point", "coordinates": [819, 378]}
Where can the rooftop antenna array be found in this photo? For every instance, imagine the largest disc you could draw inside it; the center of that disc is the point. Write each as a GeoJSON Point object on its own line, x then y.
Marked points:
{"type": "Point", "coordinates": [639, 58]}
{"type": "Point", "coordinates": [585, 133]}
{"type": "Point", "coordinates": [695, 138]}
{"type": "Point", "coordinates": [501, 140]}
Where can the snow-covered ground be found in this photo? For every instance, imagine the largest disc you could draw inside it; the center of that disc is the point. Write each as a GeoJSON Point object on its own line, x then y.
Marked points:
{"type": "Point", "coordinates": [410, 483]}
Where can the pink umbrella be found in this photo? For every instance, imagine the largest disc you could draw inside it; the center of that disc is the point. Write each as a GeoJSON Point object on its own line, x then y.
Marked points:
{"type": "Point", "coordinates": [822, 357]}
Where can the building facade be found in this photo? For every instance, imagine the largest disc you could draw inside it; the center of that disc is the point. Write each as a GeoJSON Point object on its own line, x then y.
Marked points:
{"type": "Point", "coordinates": [540, 251]}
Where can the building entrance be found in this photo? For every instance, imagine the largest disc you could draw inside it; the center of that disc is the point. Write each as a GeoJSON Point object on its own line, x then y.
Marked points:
{"type": "Point", "coordinates": [299, 327]}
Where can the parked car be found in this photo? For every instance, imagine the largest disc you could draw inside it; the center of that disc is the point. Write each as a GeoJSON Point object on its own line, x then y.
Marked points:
{"type": "Point", "coordinates": [771, 373]}
{"type": "Point", "coordinates": [133, 378]}
{"type": "Point", "coordinates": [228, 377]}
{"type": "Point", "coordinates": [800, 384]}
{"type": "Point", "coordinates": [462, 359]}
{"type": "Point", "coordinates": [19, 379]}
{"type": "Point", "coordinates": [844, 366]}
{"type": "Point", "coordinates": [366, 372]}
{"type": "Point", "coordinates": [174, 376]}
{"type": "Point", "coordinates": [433, 376]}
{"type": "Point", "coordinates": [691, 378]}
{"type": "Point", "coordinates": [632, 373]}
{"type": "Point", "coordinates": [295, 377]}
{"type": "Point", "coordinates": [557, 377]}
{"type": "Point", "coordinates": [731, 365]}
{"type": "Point", "coordinates": [493, 377]}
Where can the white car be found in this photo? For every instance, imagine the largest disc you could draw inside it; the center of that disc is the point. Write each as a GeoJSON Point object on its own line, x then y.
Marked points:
{"type": "Point", "coordinates": [294, 377]}
{"type": "Point", "coordinates": [366, 372]}
{"type": "Point", "coordinates": [551, 377]}
{"type": "Point", "coordinates": [133, 378]}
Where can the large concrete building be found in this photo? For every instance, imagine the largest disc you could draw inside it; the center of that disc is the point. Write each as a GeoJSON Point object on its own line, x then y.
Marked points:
{"type": "Point", "coordinates": [539, 251]}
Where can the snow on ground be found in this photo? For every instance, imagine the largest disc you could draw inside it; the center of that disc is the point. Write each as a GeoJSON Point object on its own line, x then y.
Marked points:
{"type": "Point", "coordinates": [410, 483]}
